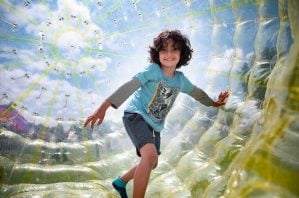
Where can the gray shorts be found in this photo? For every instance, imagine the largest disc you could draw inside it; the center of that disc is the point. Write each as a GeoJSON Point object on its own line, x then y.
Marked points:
{"type": "Point", "coordinates": [140, 132]}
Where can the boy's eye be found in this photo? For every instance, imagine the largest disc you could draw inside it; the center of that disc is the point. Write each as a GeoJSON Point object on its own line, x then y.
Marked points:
{"type": "Point", "coordinates": [174, 49]}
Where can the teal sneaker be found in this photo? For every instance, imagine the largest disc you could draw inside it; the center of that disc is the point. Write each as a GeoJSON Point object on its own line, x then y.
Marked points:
{"type": "Point", "coordinates": [120, 187]}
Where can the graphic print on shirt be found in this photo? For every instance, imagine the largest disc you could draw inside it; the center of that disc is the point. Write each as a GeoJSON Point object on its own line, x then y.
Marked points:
{"type": "Point", "coordinates": [162, 101]}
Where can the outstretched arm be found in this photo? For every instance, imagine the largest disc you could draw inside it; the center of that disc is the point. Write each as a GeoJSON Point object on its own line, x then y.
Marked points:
{"type": "Point", "coordinates": [115, 100]}
{"type": "Point", "coordinates": [201, 96]}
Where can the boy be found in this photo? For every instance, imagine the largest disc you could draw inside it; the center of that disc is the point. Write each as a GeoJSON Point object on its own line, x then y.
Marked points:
{"type": "Point", "coordinates": [155, 90]}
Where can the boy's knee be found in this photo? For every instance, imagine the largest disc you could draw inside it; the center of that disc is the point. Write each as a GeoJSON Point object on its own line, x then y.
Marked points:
{"type": "Point", "coordinates": [153, 159]}
{"type": "Point", "coordinates": [149, 153]}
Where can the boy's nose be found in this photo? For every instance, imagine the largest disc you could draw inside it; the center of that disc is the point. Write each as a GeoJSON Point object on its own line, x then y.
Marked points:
{"type": "Point", "coordinates": [169, 52]}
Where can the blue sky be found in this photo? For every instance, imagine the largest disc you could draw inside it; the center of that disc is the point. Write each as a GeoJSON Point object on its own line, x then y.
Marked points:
{"type": "Point", "coordinates": [61, 58]}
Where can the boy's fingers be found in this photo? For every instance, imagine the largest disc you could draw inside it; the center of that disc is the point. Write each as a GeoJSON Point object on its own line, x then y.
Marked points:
{"type": "Point", "coordinates": [223, 95]}
{"type": "Point", "coordinates": [92, 124]}
{"type": "Point", "coordinates": [86, 122]}
{"type": "Point", "coordinates": [94, 119]}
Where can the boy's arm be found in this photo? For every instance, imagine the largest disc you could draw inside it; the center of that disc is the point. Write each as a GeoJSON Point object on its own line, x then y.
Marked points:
{"type": "Point", "coordinates": [115, 100]}
{"type": "Point", "coordinates": [201, 96]}
{"type": "Point", "coordinates": [123, 92]}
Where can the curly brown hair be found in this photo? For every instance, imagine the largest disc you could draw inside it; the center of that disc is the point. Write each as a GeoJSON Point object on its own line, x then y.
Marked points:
{"type": "Point", "coordinates": [180, 41]}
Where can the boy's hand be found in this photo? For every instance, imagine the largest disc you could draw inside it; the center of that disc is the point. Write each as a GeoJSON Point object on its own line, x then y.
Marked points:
{"type": "Point", "coordinates": [221, 99]}
{"type": "Point", "coordinates": [98, 116]}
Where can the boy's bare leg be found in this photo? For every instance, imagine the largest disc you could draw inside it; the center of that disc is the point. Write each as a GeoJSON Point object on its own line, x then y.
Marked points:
{"type": "Point", "coordinates": [149, 159]}
{"type": "Point", "coordinates": [129, 175]}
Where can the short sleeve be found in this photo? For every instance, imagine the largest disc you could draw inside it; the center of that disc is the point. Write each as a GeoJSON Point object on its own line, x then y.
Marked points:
{"type": "Point", "coordinates": [151, 72]}
{"type": "Point", "coordinates": [187, 86]}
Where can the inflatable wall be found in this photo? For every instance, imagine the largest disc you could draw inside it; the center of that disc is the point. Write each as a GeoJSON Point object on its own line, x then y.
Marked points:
{"type": "Point", "coordinates": [60, 59]}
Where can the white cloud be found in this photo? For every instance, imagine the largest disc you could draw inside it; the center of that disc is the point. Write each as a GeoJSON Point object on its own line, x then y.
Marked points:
{"type": "Point", "coordinates": [70, 38]}
{"type": "Point", "coordinates": [217, 75]}
{"type": "Point", "coordinates": [74, 8]}
{"type": "Point", "coordinates": [223, 63]}
{"type": "Point", "coordinates": [63, 38]}
{"type": "Point", "coordinates": [89, 62]}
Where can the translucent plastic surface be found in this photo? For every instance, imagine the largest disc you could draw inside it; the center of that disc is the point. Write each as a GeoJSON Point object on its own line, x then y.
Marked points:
{"type": "Point", "coordinates": [60, 59]}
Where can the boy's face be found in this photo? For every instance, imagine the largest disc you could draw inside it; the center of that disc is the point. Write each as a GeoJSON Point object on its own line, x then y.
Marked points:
{"type": "Point", "coordinates": [169, 55]}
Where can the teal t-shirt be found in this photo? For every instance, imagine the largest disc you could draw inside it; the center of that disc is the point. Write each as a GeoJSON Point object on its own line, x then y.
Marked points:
{"type": "Point", "coordinates": [154, 99]}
